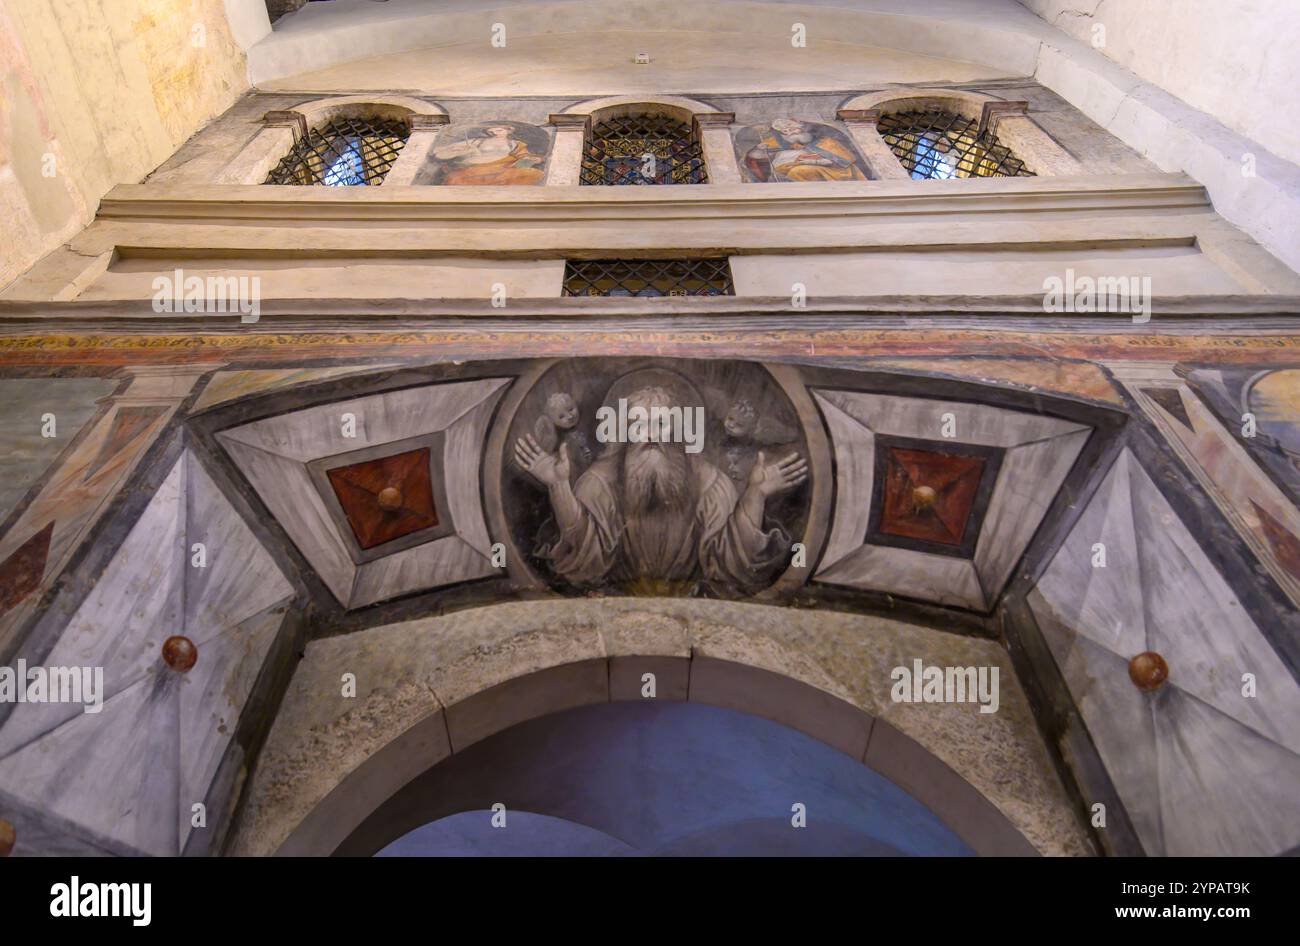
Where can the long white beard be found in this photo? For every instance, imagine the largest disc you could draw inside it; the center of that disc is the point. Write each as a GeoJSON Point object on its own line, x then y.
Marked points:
{"type": "Point", "coordinates": [654, 477]}
{"type": "Point", "coordinates": [658, 512]}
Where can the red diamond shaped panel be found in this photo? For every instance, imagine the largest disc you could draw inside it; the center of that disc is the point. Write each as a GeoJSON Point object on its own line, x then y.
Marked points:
{"type": "Point", "coordinates": [387, 498]}
{"type": "Point", "coordinates": [21, 572]}
{"type": "Point", "coordinates": [929, 495]}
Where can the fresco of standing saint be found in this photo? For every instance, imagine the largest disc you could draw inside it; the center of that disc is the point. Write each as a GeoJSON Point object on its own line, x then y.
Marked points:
{"type": "Point", "coordinates": [493, 153]}
{"type": "Point", "coordinates": [793, 150]}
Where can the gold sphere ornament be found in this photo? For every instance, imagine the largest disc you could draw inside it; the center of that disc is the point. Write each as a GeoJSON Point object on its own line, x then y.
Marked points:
{"type": "Point", "coordinates": [1148, 671]}
{"type": "Point", "coordinates": [924, 497]}
{"type": "Point", "coordinates": [180, 654]}
{"type": "Point", "coordinates": [8, 838]}
{"type": "Point", "coordinates": [389, 499]}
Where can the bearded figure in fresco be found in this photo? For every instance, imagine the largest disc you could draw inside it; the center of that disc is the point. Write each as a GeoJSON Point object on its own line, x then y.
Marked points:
{"type": "Point", "coordinates": [495, 156]}
{"type": "Point", "coordinates": [649, 513]}
{"type": "Point", "coordinates": [794, 151]}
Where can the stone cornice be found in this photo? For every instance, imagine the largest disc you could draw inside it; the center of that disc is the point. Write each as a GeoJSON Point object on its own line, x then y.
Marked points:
{"type": "Point", "coordinates": [1231, 313]}
{"type": "Point", "coordinates": [821, 340]}
{"type": "Point", "coordinates": [1137, 193]}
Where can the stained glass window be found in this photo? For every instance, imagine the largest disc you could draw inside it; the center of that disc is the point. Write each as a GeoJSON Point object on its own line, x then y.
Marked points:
{"type": "Point", "coordinates": [345, 153]}
{"type": "Point", "coordinates": [704, 276]}
{"type": "Point", "coordinates": [643, 149]}
{"type": "Point", "coordinates": [936, 146]}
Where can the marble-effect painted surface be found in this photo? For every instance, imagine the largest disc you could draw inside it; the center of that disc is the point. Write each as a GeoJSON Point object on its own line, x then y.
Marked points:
{"type": "Point", "coordinates": [1262, 513]}
{"type": "Point", "coordinates": [131, 772]}
{"type": "Point", "coordinates": [1202, 768]}
{"type": "Point", "coordinates": [25, 453]}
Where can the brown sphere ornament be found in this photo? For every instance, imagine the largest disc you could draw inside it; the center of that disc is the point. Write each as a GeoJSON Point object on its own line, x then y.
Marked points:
{"type": "Point", "coordinates": [389, 499]}
{"type": "Point", "coordinates": [180, 654]}
{"type": "Point", "coordinates": [1148, 671]}
{"type": "Point", "coordinates": [8, 838]}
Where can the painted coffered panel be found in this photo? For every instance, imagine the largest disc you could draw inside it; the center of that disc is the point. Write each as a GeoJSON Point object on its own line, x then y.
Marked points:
{"type": "Point", "coordinates": [981, 476]}
{"type": "Point", "coordinates": [1204, 764]}
{"type": "Point", "coordinates": [129, 773]}
{"type": "Point", "coordinates": [380, 493]}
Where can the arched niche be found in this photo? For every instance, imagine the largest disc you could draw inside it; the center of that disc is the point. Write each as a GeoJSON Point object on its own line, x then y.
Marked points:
{"type": "Point", "coordinates": [575, 123]}
{"type": "Point", "coordinates": [1008, 121]}
{"type": "Point", "coordinates": [283, 128]}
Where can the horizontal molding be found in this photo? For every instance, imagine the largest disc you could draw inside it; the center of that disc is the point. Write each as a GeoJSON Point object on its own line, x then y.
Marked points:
{"type": "Point", "coordinates": [834, 341]}
{"type": "Point", "coordinates": [1235, 313]}
{"type": "Point", "coordinates": [503, 206]}
{"type": "Point", "coordinates": [219, 247]}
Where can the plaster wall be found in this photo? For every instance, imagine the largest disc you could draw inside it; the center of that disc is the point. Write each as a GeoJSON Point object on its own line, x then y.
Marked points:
{"type": "Point", "coordinates": [679, 62]}
{"type": "Point", "coordinates": [1175, 270]}
{"type": "Point", "coordinates": [346, 277]}
{"type": "Point", "coordinates": [97, 93]}
{"type": "Point", "coordinates": [1235, 59]}
{"type": "Point", "coordinates": [249, 21]}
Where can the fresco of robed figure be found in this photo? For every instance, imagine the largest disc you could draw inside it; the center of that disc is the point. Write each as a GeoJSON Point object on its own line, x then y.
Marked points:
{"type": "Point", "coordinates": [793, 150]}
{"type": "Point", "coordinates": [493, 153]}
{"type": "Point", "coordinates": [651, 517]}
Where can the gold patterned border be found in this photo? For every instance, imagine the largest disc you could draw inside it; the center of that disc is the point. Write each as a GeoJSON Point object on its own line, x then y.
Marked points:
{"type": "Point", "coordinates": [120, 349]}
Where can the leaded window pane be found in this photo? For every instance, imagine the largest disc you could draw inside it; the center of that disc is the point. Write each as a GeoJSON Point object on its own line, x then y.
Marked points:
{"type": "Point", "coordinates": [345, 153]}
{"type": "Point", "coordinates": [642, 149]}
{"type": "Point", "coordinates": [708, 276]}
{"type": "Point", "coordinates": [936, 146]}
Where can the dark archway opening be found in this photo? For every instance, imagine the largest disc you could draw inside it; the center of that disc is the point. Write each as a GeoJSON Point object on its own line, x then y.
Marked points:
{"type": "Point", "coordinates": [652, 778]}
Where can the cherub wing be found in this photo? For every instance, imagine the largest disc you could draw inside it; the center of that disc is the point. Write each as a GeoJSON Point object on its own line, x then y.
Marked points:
{"type": "Point", "coordinates": [544, 433]}
{"type": "Point", "coordinates": [770, 431]}
{"type": "Point", "coordinates": [716, 403]}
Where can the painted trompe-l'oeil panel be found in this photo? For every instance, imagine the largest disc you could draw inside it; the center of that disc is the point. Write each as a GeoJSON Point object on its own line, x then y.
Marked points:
{"type": "Point", "coordinates": [788, 149]}
{"type": "Point", "coordinates": [487, 154]}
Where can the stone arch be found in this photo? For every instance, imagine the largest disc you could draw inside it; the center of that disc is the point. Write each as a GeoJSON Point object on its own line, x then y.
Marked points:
{"type": "Point", "coordinates": [711, 125]}
{"type": "Point", "coordinates": [282, 129]}
{"type": "Point", "coordinates": [318, 778]}
{"type": "Point", "coordinates": [658, 776]}
{"type": "Point", "coordinates": [1010, 121]}
{"type": "Point", "coordinates": [319, 111]}
{"type": "Point", "coordinates": [678, 106]}
{"type": "Point", "coordinates": [888, 101]}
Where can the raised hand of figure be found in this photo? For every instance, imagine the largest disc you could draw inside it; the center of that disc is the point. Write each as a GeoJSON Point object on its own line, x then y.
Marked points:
{"type": "Point", "coordinates": [550, 469]}
{"type": "Point", "coordinates": [777, 477]}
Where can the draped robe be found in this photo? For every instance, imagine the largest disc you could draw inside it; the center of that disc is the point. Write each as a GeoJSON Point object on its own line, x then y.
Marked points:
{"type": "Point", "coordinates": [706, 536]}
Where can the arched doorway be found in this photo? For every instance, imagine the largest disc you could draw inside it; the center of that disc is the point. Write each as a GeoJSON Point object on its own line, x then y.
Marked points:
{"type": "Point", "coordinates": [322, 776]}
{"type": "Point", "coordinates": [652, 778]}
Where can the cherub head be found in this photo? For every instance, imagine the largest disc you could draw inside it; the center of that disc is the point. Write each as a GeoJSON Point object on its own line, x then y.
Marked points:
{"type": "Point", "coordinates": [741, 419]}
{"type": "Point", "coordinates": [562, 411]}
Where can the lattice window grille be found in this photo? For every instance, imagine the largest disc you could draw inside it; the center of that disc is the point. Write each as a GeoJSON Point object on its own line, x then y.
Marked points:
{"type": "Point", "coordinates": [642, 149]}
{"type": "Point", "coordinates": [347, 152]}
{"type": "Point", "coordinates": [703, 276]}
{"type": "Point", "coordinates": [934, 145]}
